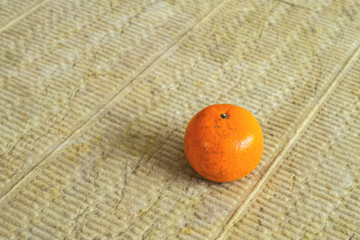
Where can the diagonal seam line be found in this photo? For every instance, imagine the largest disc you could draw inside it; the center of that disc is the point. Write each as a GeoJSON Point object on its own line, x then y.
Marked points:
{"type": "Point", "coordinates": [293, 4]}
{"type": "Point", "coordinates": [23, 15]}
{"type": "Point", "coordinates": [279, 157]}
{"type": "Point", "coordinates": [97, 112]}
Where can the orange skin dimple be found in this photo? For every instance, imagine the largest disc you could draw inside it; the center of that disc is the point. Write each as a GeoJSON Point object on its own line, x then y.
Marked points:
{"type": "Point", "coordinates": [223, 142]}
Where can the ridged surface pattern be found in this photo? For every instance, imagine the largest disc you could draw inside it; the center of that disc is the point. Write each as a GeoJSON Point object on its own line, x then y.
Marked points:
{"type": "Point", "coordinates": [315, 191]}
{"type": "Point", "coordinates": [95, 97]}
{"type": "Point", "coordinates": [10, 11]}
{"type": "Point", "coordinates": [56, 74]}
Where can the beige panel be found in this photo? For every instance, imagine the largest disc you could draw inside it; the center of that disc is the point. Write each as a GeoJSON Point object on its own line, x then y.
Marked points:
{"type": "Point", "coordinates": [64, 62]}
{"type": "Point", "coordinates": [315, 191]}
{"type": "Point", "coordinates": [346, 8]}
{"type": "Point", "coordinates": [13, 10]}
{"type": "Point", "coordinates": [123, 174]}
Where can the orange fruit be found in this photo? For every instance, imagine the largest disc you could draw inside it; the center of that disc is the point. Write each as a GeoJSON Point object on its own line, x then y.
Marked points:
{"type": "Point", "coordinates": [223, 142]}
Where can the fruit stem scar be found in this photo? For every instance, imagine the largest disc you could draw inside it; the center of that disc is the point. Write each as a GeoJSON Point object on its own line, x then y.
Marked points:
{"type": "Point", "coordinates": [224, 116]}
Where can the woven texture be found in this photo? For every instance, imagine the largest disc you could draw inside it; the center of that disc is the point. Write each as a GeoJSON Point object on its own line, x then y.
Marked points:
{"type": "Point", "coordinates": [95, 97]}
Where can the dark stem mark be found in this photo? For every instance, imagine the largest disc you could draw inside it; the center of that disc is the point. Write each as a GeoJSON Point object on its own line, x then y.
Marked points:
{"type": "Point", "coordinates": [224, 116]}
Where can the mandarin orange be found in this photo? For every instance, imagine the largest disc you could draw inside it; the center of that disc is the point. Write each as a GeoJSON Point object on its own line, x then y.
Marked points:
{"type": "Point", "coordinates": [223, 142]}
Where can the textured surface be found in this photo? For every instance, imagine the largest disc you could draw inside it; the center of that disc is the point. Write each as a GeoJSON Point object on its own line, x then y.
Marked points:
{"type": "Point", "coordinates": [95, 97]}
